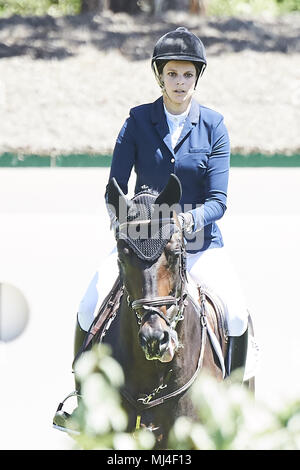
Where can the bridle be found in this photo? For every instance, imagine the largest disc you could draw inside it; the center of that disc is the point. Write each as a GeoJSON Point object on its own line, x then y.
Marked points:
{"type": "Point", "coordinates": [175, 305]}
{"type": "Point", "coordinates": [150, 306]}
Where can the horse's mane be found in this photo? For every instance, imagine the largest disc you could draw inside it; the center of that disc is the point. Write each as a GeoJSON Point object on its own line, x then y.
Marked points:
{"type": "Point", "coordinates": [145, 190]}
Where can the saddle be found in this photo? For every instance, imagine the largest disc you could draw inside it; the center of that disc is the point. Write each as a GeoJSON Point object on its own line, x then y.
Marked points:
{"type": "Point", "coordinates": [216, 315]}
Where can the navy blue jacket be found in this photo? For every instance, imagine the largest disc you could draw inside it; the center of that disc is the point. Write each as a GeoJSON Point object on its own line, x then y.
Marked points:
{"type": "Point", "coordinates": [200, 160]}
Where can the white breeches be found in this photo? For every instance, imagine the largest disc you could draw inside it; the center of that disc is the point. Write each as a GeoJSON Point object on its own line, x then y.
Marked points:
{"type": "Point", "coordinates": [211, 267]}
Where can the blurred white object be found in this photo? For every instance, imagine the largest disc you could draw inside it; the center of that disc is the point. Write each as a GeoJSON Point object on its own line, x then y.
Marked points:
{"type": "Point", "coordinates": [14, 312]}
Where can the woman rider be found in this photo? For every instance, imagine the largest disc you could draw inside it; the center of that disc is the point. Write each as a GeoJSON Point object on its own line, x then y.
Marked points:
{"type": "Point", "coordinates": [177, 135]}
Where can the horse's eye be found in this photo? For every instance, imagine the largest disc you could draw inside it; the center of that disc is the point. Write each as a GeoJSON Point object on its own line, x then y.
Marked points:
{"type": "Point", "coordinates": [125, 251]}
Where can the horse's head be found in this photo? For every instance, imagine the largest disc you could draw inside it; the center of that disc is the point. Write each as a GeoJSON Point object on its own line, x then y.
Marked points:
{"type": "Point", "coordinates": [152, 263]}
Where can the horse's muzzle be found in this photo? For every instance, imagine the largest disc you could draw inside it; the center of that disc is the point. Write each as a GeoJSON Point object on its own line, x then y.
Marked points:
{"type": "Point", "coordinates": [157, 343]}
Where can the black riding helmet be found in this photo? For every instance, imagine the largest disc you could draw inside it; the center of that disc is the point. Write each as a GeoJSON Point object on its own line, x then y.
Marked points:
{"type": "Point", "coordinates": [179, 44]}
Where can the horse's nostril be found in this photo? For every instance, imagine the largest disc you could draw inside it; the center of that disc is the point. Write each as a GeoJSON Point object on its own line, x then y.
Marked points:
{"type": "Point", "coordinates": [143, 340]}
{"type": "Point", "coordinates": [165, 338]}
{"type": "Point", "coordinates": [154, 342]}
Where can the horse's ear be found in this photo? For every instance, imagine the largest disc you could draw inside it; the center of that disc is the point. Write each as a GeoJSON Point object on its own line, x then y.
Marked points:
{"type": "Point", "coordinates": [172, 192]}
{"type": "Point", "coordinates": [116, 198]}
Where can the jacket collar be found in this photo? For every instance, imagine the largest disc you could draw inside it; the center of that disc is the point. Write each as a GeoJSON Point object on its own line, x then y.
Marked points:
{"type": "Point", "coordinates": [159, 120]}
{"type": "Point", "coordinates": [158, 114]}
{"type": "Point", "coordinates": [157, 111]}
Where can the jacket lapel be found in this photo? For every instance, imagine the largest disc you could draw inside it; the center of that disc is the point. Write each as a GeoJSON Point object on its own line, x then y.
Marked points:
{"type": "Point", "coordinates": [191, 120]}
{"type": "Point", "coordinates": [159, 120]}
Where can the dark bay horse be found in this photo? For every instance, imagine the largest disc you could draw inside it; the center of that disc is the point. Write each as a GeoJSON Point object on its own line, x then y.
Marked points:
{"type": "Point", "coordinates": [160, 335]}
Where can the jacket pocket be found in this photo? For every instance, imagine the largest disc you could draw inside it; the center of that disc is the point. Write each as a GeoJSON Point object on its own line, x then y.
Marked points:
{"type": "Point", "coordinates": [205, 150]}
{"type": "Point", "coordinates": [193, 164]}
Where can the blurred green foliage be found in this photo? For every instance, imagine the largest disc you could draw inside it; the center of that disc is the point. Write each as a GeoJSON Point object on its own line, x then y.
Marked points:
{"type": "Point", "coordinates": [251, 7]}
{"type": "Point", "coordinates": [100, 418]}
{"type": "Point", "coordinates": [214, 7]}
{"type": "Point", "coordinates": [289, 5]}
{"type": "Point", "coordinates": [39, 7]}
{"type": "Point", "coordinates": [228, 417]}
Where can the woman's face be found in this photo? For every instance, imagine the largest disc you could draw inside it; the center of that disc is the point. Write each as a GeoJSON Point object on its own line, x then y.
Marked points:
{"type": "Point", "coordinates": [179, 78]}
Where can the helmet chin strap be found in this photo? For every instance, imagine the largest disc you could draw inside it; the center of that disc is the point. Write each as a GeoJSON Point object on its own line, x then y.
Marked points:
{"type": "Point", "coordinates": [163, 90]}
{"type": "Point", "coordinates": [157, 76]}
{"type": "Point", "coordinates": [200, 74]}
{"type": "Point", "coordinates": [161, 83]}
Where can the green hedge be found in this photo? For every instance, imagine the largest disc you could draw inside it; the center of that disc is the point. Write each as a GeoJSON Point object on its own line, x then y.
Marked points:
{"type": "Point", "coordinates": [12, 160]}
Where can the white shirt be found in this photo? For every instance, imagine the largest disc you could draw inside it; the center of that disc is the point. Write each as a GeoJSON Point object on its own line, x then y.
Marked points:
{"type": "Point", "coordinates": [176, 123]}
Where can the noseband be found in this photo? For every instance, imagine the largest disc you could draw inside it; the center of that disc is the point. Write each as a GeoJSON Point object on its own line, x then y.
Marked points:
{"type": "Point", "coordinates": [150, 307]}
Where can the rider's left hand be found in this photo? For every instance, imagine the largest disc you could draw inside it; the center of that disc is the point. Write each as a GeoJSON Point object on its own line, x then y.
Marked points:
{"type": "Point", "coordinates": [186, 221]}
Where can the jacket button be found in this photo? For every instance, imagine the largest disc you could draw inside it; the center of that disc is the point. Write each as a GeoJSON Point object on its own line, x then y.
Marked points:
{"type": "Point", "coordinates": [172, 160]}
